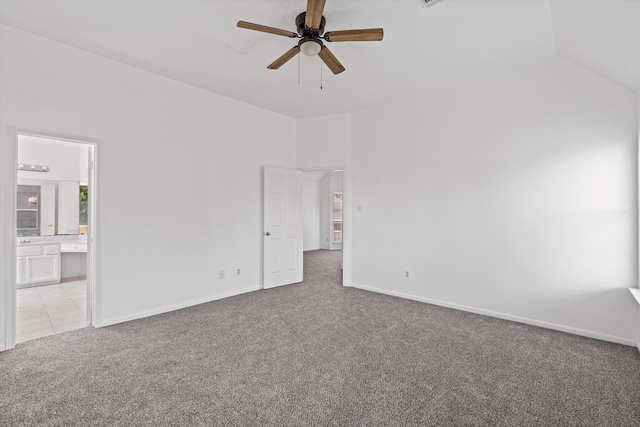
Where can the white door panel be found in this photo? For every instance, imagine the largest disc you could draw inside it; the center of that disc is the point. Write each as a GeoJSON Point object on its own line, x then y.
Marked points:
{"type": "Point", "coordinates": [282, 227]}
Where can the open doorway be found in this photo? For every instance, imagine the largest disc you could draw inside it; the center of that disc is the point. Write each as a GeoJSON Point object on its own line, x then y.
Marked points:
{"type": "Point", "coordinates": [323, 213]}
{"type": "Point", "coordinates": [55, 192]}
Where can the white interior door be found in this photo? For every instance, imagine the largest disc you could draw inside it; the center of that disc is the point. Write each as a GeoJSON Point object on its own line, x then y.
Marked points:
{"type": "Point", "coordinates": [283, 225]}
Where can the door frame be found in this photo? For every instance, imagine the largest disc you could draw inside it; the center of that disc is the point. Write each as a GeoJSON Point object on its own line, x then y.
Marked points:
{"type": "Point", "coordinates": [346, 217]}
{"type": "Point", "coordinates": [8, 230]}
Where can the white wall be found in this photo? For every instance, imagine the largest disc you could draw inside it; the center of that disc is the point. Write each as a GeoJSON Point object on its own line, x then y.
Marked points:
{"type": "Point", "coordinates": [67, 161]}
{"type": "Point", "coordinates": [311, 205]}
{"type": "Point", "coordinates": [638, 284]}
{"type": "Point", "coordinates": [513, 195]}
{"type": "Point", "coordinates": [179, 192]}
{"type": "Point", "coordinates": [323, 142]}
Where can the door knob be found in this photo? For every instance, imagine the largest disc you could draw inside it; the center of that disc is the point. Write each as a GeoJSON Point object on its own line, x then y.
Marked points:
{"type": "Point", "coordinates": [268, 233]}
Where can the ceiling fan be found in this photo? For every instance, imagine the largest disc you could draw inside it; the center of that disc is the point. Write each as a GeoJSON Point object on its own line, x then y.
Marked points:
{"type": "Point", "coordinates": [310, 27]}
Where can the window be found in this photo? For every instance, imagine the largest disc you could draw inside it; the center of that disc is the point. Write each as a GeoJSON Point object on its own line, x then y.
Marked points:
{"type": "Point", "coordinates": [84, 204]}
{"type": "Point", "coordinates": [27, 215]}
{"type": "Point", "coordinates": [337, 218]}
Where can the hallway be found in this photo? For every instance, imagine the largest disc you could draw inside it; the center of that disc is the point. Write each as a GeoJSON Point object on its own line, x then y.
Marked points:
{"type": "Point", "coordinates": [323, 266]}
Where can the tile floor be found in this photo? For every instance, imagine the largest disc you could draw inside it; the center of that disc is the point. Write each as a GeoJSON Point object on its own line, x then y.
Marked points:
{"type": "Point", "coordinates": [50, 309]}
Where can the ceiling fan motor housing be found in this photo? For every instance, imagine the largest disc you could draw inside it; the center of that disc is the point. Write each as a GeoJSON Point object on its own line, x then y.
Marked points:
{"type": "Point", "coordinates": [309, 32]}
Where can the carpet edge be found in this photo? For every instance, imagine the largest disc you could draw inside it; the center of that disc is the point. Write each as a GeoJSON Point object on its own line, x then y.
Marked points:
{"type": "Point", "coordinates": [169, 308]}
{"type": "Point", "coordinates": [504, 316]}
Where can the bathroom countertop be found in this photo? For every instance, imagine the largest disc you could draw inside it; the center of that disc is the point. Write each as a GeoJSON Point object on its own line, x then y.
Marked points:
{"type": "Point", "coordinates": [35, 240]}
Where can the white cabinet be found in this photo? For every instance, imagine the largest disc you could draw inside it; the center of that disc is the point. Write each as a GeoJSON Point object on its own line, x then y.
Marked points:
{"type": "Point", "coordinates": [47, 209]}
{"type": "Point", "coordinates": [38, 264]}
{"type": "Point", "coordinates": [73, 247]}
{"type": "Point", "coordinates": [40, 269]}
{"type": "Point", "coordinates": [68, 207]}
{"type": "Point", "coordinates": [20, 271]}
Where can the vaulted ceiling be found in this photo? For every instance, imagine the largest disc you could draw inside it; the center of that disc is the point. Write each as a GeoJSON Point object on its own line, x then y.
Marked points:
{"type": "Point", "coordinates": [451, 41]}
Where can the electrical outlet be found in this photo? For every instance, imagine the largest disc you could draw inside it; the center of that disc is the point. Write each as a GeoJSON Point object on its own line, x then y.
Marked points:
{"type": "Point", "coordinates": [406, 274]}
{"type": "Point", "coordinates": [237, 272]}
{"type": "Point", "coordinates": [221, 274]}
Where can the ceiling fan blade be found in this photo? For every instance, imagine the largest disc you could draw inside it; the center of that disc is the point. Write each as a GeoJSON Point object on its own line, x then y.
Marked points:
{"type": "Point", "coordinates": [332, 62]}
{"type": "Point", "coordinates": [368, 35]}
{"type": "Point", "coordinates": [284, 58]}
{"type": "Point", "coordinates": [314, 13]}
{"type": "Point", "coordinates": [265, 29]}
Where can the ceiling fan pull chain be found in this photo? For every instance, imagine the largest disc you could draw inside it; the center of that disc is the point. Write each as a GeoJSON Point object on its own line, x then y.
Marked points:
{"type": "Point", "coordinates": [320, 75]}
{"type": "Point", "coordinates": [298, 69]}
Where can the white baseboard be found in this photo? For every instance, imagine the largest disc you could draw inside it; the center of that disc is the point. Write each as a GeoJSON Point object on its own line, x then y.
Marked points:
{"type": "Point", "coordinates": [168, 308]}
{"type": "Point", "coordinates": [528, 321]}
{"type": "Point", "coordinates": [3, 347]}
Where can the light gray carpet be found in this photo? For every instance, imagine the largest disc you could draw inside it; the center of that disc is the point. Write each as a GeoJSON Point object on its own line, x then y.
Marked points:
{"type": "Point", "coordinates": [319, 354]}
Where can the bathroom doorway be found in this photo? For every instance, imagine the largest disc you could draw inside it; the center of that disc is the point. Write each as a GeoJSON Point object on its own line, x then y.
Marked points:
{"type": "Point", "coordinates": [54, 235]}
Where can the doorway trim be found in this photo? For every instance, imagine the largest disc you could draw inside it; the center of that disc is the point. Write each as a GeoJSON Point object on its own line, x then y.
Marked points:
{"type": "Point", "coordinates": [8, 279]}
{"type": "Point", "coordinates": [346, 217]}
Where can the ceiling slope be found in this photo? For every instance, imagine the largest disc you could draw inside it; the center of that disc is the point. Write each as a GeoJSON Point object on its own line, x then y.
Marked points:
{"type": "Point", "coordinates": [197, 42]}
{"type": "Point", "coordinates": [601, 35]}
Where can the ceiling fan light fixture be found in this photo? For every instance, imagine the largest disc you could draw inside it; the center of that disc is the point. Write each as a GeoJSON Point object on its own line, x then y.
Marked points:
{"type": "Point", "coordinates": [310, 47]}
{"type": "Point", "coordinates": [310, 29]}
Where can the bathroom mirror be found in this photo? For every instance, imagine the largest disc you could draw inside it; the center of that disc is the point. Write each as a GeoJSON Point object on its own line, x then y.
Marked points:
{"type": "Point", "coordinates": [28, 212]}
{"type": "Point", "coordinates": [48, 208]}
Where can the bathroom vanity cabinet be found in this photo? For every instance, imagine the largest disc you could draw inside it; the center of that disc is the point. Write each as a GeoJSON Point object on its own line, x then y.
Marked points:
{"type": "Point", "coordinates": [37, 264]}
